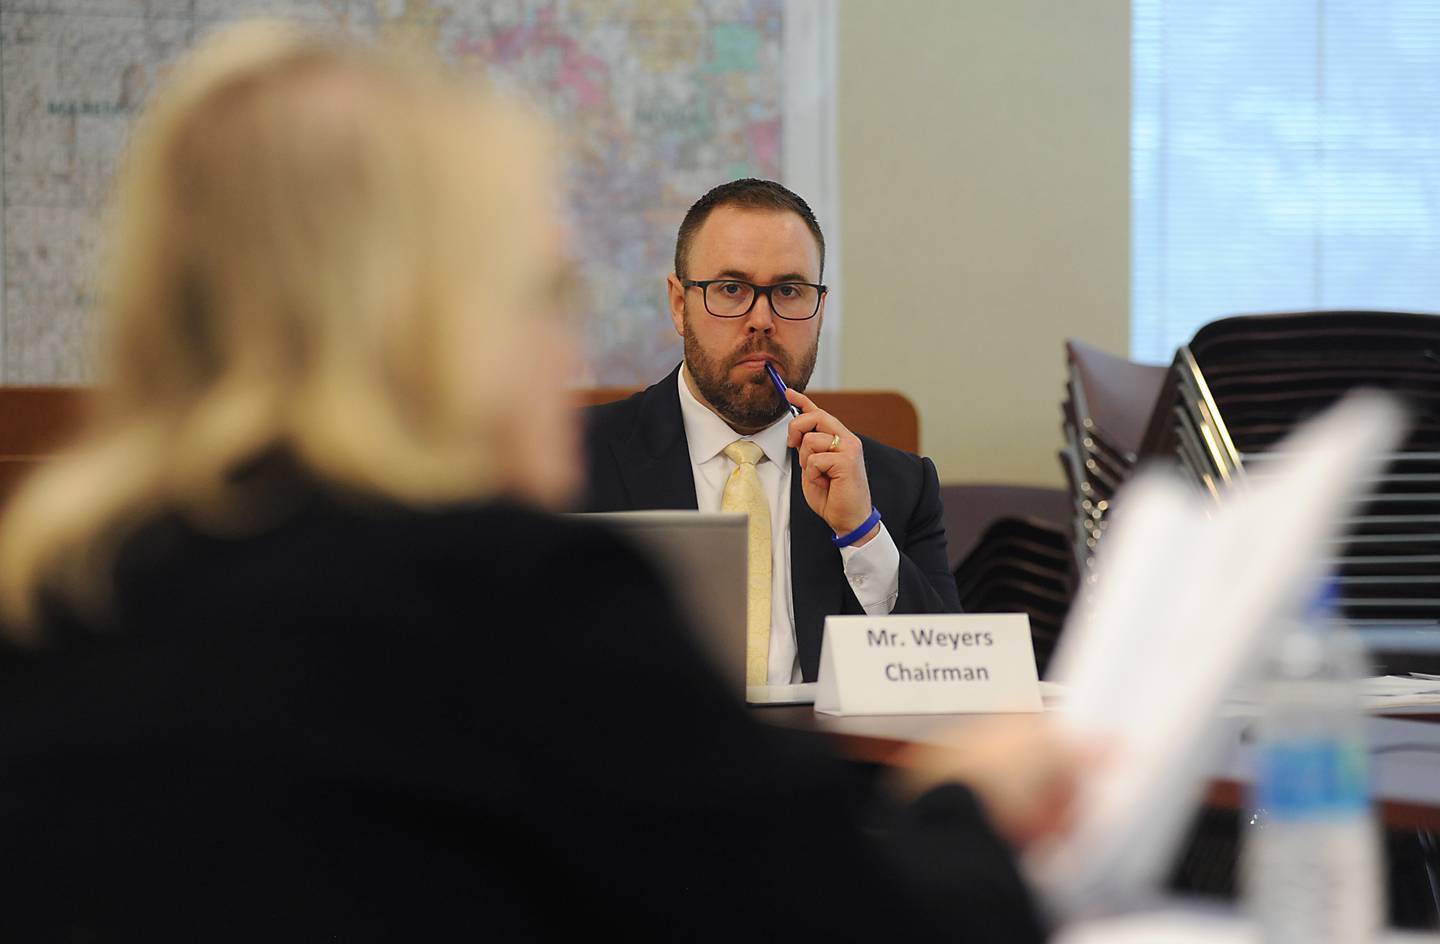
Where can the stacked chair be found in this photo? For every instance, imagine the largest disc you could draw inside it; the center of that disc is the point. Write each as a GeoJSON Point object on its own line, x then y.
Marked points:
{"type": "Point", "coordinates": [1230, 396]}
{"type": "Point", "coordinates": [1021, 566]}
{"type": "Point", "coordinates": [1243, 383]}
{"type": "Point", "coordinates": [1010, 552]}
{"type": "Point", "coordinates": [1109, 402]}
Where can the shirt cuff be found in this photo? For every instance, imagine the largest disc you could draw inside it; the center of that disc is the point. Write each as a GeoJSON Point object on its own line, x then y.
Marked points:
{"type": "Point", "coordinates": [874, 572]}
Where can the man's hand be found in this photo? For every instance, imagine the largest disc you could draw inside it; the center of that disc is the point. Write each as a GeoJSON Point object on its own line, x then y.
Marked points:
{"type": "Point", "coordinates": [833, 480]}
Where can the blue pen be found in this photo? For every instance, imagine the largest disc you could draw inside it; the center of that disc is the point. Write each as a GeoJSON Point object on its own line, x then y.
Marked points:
{"type": "Point", "coordinates": [780, 386]}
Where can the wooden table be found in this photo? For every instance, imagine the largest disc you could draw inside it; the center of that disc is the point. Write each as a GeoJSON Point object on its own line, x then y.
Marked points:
{"type": "Point", "coordinates": [1405, 764]}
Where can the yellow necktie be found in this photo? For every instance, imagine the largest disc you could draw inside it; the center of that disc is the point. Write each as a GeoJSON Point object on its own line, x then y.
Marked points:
{"type": "Point", "coordinates": [744, 494]}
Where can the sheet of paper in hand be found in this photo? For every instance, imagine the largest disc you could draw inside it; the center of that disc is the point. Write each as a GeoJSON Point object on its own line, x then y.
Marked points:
{"type": "Point", "coordinates": [1178, 616]}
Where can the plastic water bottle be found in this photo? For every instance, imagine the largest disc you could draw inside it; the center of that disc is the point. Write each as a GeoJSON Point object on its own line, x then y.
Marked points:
{"type": "Point", "coordinates": [1312, 859]}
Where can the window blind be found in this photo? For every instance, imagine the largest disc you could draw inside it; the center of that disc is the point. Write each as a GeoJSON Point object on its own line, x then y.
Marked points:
{"type": "Point", "coordinates": [1285, 156]}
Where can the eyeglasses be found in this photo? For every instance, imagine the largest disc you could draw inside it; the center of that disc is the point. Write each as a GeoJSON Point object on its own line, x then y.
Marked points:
{"type": "Point", "coordinates": [731, 298]}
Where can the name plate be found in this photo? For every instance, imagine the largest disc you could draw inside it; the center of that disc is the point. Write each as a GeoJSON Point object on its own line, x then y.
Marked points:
{"type": "Point", "coordinates": [922, 665]}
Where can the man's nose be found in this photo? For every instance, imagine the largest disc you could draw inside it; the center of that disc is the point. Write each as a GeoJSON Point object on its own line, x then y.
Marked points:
{"type": "Point", "coordinates": [762, 316]}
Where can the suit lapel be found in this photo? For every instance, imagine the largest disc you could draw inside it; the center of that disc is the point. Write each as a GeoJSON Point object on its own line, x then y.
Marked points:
{"type": "Point", "coordinates": [655, 468]}
{"type": "Point", "coordinates": [817, 575]}
{"type": "Point", "coordinates": [655, 460]}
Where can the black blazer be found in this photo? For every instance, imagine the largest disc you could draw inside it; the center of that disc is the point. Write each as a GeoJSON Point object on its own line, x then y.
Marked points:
{"type": "Point", "coordinates": [638, 459]}
{"type": "Point", "coordinates": [369, 723]}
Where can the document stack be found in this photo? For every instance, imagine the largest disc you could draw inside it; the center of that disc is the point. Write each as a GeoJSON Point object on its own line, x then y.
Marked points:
{"type": "Point", "coordinates": [1109, 400]}
{"type": "Point", "coordinates": [1243, 383]}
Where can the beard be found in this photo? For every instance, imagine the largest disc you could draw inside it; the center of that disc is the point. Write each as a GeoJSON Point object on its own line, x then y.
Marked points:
{"type": "Point", "coordinates": [754, 403]}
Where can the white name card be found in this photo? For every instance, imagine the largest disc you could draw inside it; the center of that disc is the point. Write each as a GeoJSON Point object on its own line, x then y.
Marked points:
{"type": "Point", "coordinates": [921, 665]}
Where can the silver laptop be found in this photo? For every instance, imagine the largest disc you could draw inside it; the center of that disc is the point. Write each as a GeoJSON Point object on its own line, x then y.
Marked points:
{"type": "Point", "coordinates": [702, 556]}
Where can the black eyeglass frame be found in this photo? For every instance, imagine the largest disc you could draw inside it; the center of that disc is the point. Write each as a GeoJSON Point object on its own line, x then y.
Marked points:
{"type": "Point", "coordinates": [704, 284]}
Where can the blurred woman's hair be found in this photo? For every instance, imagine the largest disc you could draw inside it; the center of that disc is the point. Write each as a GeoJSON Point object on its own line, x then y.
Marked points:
{"type": "Point", "coordinates": [316, 251]}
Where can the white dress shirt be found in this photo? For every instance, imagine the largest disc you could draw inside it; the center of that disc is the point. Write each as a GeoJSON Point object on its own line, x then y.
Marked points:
{"type": "Point", "coordinates": [873, 571]}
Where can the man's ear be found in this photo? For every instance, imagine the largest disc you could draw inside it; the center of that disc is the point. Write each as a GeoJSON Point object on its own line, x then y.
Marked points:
{"type": "Point", "coordinates": [677, 302]}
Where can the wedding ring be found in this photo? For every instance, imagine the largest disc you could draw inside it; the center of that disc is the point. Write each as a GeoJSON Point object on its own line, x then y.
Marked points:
{"type": "Point", "coordinates": [835, 442]}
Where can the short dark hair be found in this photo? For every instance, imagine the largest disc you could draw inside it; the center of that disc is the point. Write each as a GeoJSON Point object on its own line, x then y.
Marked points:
{"type": "Point", "coordinates": [750, 194]}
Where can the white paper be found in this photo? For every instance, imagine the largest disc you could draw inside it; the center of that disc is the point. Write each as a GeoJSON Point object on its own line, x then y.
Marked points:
{"type": "Point", "coordinates": [1176, 620]}
{"type": "Point", "coordinates": [1377, 694]}
{"type": "Point", "coordinates": [923, 664]}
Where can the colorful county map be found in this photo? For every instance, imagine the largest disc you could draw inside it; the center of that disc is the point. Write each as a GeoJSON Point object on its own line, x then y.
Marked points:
{"type": "Point", "coordinates": [659, 100]}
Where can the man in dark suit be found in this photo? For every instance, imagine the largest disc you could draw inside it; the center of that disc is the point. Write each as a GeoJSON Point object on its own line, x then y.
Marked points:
{"type": "Point", "coordinates": [840, 524]}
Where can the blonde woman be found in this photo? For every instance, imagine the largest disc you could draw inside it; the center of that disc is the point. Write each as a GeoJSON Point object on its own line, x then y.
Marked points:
{"type": "Point", "coordinates": [293, 654]}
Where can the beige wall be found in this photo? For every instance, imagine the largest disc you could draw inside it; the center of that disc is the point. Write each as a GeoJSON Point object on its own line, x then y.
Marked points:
{"type": "Point", "coordinates": [984, 163]}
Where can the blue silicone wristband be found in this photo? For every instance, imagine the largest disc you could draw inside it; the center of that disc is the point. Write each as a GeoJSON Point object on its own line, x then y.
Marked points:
{"type": "Point", "coordinates": [858, 533]}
